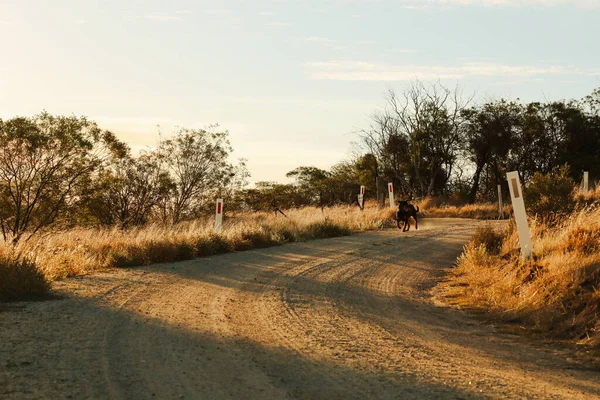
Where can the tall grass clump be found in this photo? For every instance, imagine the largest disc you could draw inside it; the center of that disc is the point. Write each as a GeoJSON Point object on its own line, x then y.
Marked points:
{"type": "Point", "coordinates": [555, 293]}
{"type": "Point", "coordinates": [19, 276]}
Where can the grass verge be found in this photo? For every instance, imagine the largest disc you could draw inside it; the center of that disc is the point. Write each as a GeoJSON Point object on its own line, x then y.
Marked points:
{"type": "Point", "coordinates": [556, 293]}
{"type": "Point", "coordinates": [80, 251]}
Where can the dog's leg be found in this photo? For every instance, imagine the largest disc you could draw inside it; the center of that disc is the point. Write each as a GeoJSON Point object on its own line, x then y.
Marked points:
{"type": "Point", "coordinates": [416, 223]}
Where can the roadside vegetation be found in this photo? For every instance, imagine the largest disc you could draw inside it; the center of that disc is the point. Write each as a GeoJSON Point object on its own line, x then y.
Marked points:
{"type": "Point", "coordinates": [441, 207]}
{"type": "Point", "coordinates": [555, 293]}
{"type": "Point", "coordinates": [28, 267]}
{"type": "Point", "coordinates": [74, 198]}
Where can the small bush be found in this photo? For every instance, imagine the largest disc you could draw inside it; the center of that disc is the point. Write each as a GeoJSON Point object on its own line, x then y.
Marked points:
{"type": "Point", "coordinates": [286, 236]}
{"type": "Point", "coordinates": [160, 251]}
{"type": "Point", "coordinates": [259, 238]}
{"type": "Point", "coordinates": [325, 229]}
{"type": "Point", "coordinates": [550, 195]}
{"type": "Point", "coordinates": [183, 251]}
{"type": "Point", "coordinates": [489, 238]}
{"type": "Point", "coordinates": [218, 244]}
{"type": "Point", "coordinates": [20, 277]}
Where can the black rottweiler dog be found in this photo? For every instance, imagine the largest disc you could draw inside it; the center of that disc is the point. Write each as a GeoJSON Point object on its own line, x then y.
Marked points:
{"type": "Point", "coordinates": [405, 211]}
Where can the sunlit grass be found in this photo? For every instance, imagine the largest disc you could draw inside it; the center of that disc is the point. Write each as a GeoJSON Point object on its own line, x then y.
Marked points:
{"type": "Point", "coordinates": [556, 292]}
{"type": "Point", "coordinates": [80, 251]}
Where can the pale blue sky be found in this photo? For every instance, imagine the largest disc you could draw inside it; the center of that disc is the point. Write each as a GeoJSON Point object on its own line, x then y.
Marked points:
{"type": "Point", "coordinates": [290, 80]}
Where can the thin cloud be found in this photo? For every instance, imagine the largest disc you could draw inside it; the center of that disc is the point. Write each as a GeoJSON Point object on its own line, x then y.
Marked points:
{"type": "Point", "coordinates": [217, 11]}
{"type": "Point", "coordinates": [402, 51]}
{"type": "Point", "coordinates": [364, 71]}
{"type": "Point", "coordinates": [411, 4]}
{"type": "Point", "coordinates": [163, 17]}
{"type": "Point", "coordinates": [319, 39]}
{"type": "Point", "coordinates": [279, 23]}
{"type": "Point", "coordinates": [366, 42]}
{"type": "Point", "coordinates": [266, 13]}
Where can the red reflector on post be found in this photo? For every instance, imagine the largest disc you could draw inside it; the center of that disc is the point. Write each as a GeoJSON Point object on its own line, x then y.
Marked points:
{"type": "Point", "coordinates": [515, 188]}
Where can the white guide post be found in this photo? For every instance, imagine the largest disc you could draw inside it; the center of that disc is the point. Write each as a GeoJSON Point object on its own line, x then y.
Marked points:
{"type": "Point", "coordinates": [585, 182]}
{"type": "Point", "coordinates": [516, 195]}
{"type": "Point", "coordinates": [500, 205]}
{"type": "Point", "coordinates": [361, 197]}
{"type": "Point", "coordinates": [219, 216]}
{"type": "Point", "coordinates": [391, 191]}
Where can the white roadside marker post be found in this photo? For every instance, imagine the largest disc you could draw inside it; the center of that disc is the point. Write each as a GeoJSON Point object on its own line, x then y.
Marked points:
{"type": "Point", "coordinates": [391, 190]}
{"type": "Point", "coordinates": [585, 182]}
{"type": "Point", "coordinates": [516, 195]}
{"type": "Point", "coordinates": [500, 205]}
{"type": "Point", "coordinates": [219, 216]}
{"type": "Point", "coordinates": [361, 197]}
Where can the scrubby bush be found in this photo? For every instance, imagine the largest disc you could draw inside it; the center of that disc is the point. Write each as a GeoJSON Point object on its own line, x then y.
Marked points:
{"type": "Point", "coordinates": [325, 229]}
{"type": "Point", "coordinates": [550, 195]}
{"type": "Point", "coordinates": [20, 277]}
{"type": "Point", "coordinates": [489, 238]}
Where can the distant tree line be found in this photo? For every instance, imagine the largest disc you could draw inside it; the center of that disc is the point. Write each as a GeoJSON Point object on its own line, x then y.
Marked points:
{"type": "Point", "coordinates": [430, 140]}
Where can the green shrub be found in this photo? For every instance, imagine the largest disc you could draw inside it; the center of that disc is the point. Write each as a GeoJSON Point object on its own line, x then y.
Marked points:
{"type": "Point", "coordinates": [550, 195]}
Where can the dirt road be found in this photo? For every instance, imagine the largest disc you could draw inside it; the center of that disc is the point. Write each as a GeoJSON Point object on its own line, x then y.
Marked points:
{"type": "Point", "coordinates": [344, 318]}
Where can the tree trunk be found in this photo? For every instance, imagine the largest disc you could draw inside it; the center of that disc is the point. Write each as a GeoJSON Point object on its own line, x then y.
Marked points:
{"type": "Point", "coordinates": [476, 178]}
{"type": "Point", "coordinates": [381, 191]}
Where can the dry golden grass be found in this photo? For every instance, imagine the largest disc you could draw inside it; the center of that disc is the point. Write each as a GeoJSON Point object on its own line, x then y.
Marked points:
{"type": "Point", "coordinates": [556, 292]}
{"type": "Point", "coordinates": [475, 211]}
{"type": "Point", "coordinates": [80, 251]}
{"type": "Point", "coordinates": [19, 276]}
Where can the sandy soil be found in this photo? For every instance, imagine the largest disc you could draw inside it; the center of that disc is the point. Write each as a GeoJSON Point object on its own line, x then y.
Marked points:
{"type": "Point", "coordinates": [344, 318]}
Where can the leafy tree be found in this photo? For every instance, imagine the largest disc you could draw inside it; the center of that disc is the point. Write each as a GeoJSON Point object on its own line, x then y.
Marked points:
{"type": "Point", "coordinates": [489, 132]}
{"type": "Point", "coordinates": [197, 162]}
{"type": "Point", "coordinates": [313, 183]}
{"type": "Point", "coordinates": [129, 190]}
{"type": "Point", "coordinates": [42, 160]}
{"type": "Point", "coordinates": [346, 177]}
{"type": "Point", "coordinates": [233, 191]}
{"type": "Point", "coordinates": [267, 195]}
{"type": "Point", "coordinates": [366, 167]}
